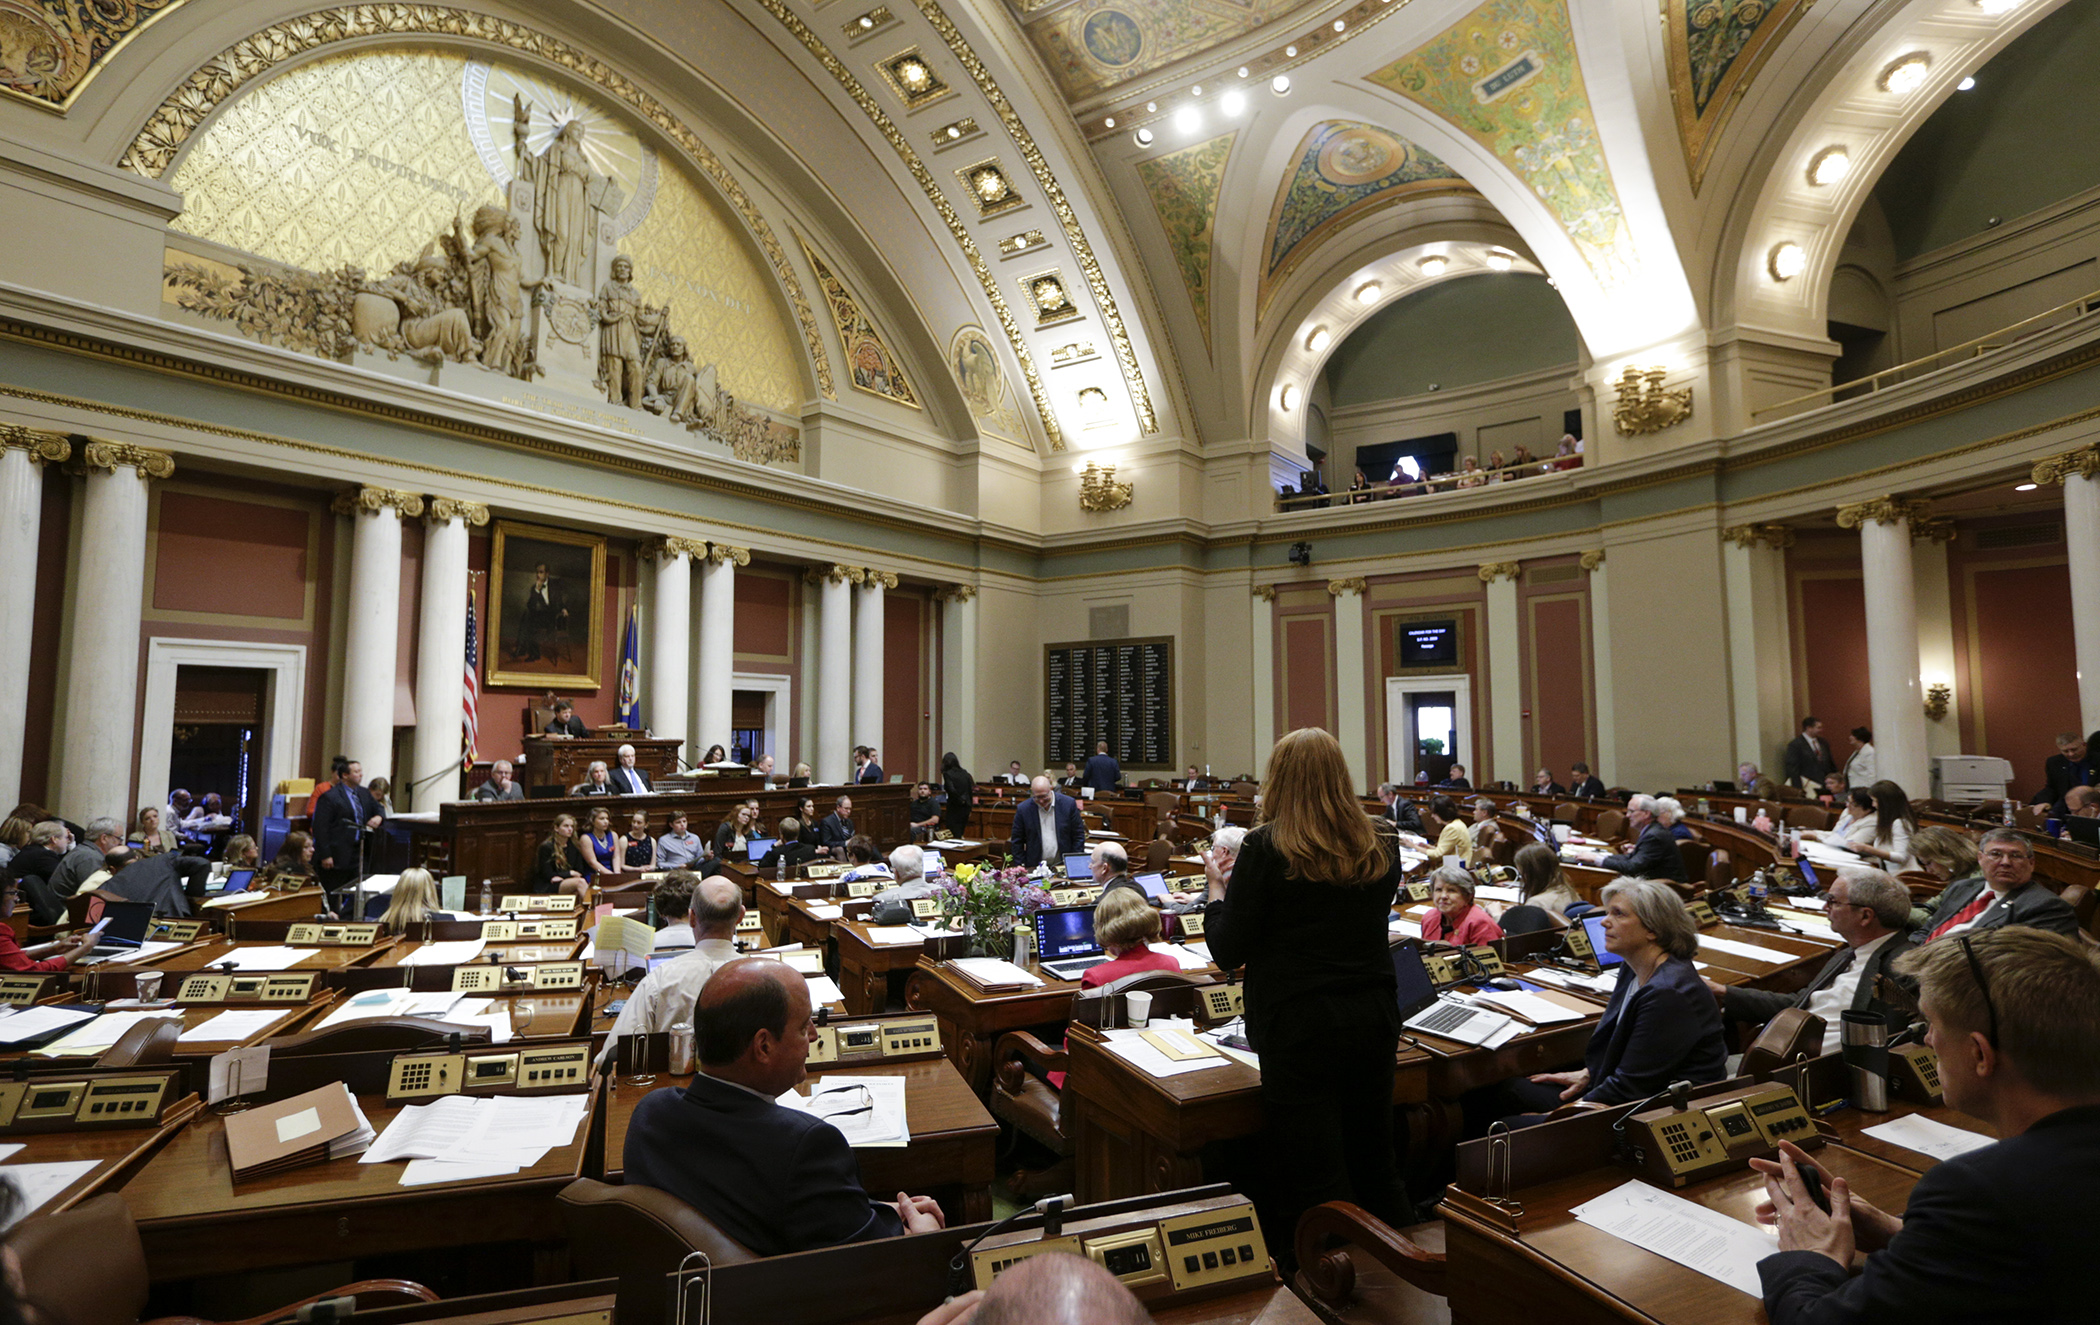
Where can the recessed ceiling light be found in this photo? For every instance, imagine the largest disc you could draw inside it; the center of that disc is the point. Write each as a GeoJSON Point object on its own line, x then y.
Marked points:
{"type": "Point", "coordinates": [1368, 292]}
{"type": "Point", "coordinates": [1829, 166]}
{"type": "Point", "coordinates": [2025, 487]}
{"type": "Point", "coordinates": [1243, 71]}
{"type": "Point", "coordinates": [1434, 264]}
{"type": "Point", "coordinates": [1188, 119]}
{"type": "Point", "coordinates": [1143, 137]}
{"type": "Point", "coordinates": [1906, 74]}
{"type": "Point", "coordinates": [1110, 122]}
{"type": "Point", "coordinates": [1786, 260]}
{"type": "Point", "coordinates": [1341, 25]}
{"type": "Point", "coordinates": [1966, 85]}
{"type": "Point", "coordinates": [1280, 84]}
{"type": "Point", "coordinates": [1320, 339]}
{"type": "Point", "coordinates": [1232, 103]}
{"type": "Point", "coordinates": [1288, 397]}
{"type": "Point", "coordinates": [1196, 91]}
{"type": "Point", "coordinates": [1152, 108]}
{"type": "Point", "coordinates": [1501, 261]}
{"type": "Point", "coordinates": [1290, 52]}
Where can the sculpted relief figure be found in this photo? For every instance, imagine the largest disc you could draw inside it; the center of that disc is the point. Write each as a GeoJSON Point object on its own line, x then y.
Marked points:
{"type": "Point", "coordinates": [499, 302]}
{"type": "Point", "coordinates": [568, 199]}
{"type": "Point", "coordinates": [416, 310]}
{"type": "Point", "coordinates": [627, 332]}
{"type": "Point", "coordinates": [673, 388]}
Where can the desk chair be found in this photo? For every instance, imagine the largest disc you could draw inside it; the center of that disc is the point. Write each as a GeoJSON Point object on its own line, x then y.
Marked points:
{"type": "Point", "coordinates": [86, 1266]}
{"type": "Point", "coordinates": [1163, 802]}
{"type": "Point", "coordinates": [1024, 1101]}
{"type": "Point", "coordinates": [1694, 854]}
{"type": "Point", "coordinates": [1158, 855]}
{"type": "Point", "coordinates": [1566, 812]}
{"type": "Point", "coordinates": [1353, 1267]}
{"type": "Point", "coordinates": [1173, 995]}
{"type": "Point", "coordinates": [148, 1044]}
{"type": "Point", "coordinates": [1719, 871]}
{"type": "Point", "coordinates": [376, 1035]}
{"type": "Point", "coordinates": [1611, 826]}
{"type": "Point", "coordinates": [637, 1235]}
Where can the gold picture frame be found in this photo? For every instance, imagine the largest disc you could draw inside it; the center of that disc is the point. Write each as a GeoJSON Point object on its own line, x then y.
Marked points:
{"type": "Point", "coordinates": [540, 647]}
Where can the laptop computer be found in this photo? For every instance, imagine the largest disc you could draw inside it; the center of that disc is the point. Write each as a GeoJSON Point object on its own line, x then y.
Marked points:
{"type": "Point", "coordinates": [1724, 788]}
{"type": "Point", "coordinates": [1421, 1009]}
{"type": "Point", "coordinates": [756, 849]}
{"type": "Point", "coordinates": [1155, 885]}
{"type": "Point", "coordinates": [127, 923]}
{"type": "Point", "coordinates": [932, 862]}
{"type": "Point", "coordinates": [798, 782]}
{"type": "Point", "coordinates": [235, 881]}
{"type": "Point", "coordinates": [1079, 866]}
{"type": "Point", "coordinates": [1065, 942]}
{"type": "Point", "coordinates": [1593, 925]}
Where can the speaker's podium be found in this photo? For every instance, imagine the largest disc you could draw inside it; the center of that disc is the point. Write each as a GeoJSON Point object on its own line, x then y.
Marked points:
{"type": "Point", "coordinates": [553, 764]}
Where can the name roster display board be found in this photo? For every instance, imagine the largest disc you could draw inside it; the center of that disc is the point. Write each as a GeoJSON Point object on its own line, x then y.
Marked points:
{"type": "Point", "coordinates": [1120, 691]}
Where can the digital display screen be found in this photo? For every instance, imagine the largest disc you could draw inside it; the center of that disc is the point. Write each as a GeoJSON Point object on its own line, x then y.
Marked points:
{"type": "Point", "coordinates": [1429, 644]}
{"type": "Point", "coordinates": [1066, 932]}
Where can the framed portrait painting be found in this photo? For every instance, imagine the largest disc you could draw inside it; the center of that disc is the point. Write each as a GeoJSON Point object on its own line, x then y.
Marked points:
{"type": "Point", "coordinates": [546, 607]}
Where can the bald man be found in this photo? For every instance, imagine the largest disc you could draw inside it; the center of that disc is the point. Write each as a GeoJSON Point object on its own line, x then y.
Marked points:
{"type": "Point", "coordinates": [666, 995]}
{"type": "Point", "coordinates": [775, 1179]}
{"type": "Point", "coordinates": [1055, 1288]}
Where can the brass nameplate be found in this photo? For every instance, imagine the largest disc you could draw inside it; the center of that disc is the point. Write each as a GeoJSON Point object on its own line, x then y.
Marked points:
{"type": "Point", "coordinates": [175, 931]}
{"type": "Point", "coordinates": [539, 902]}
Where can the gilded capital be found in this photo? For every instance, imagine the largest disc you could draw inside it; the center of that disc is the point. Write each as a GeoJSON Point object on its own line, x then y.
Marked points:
{"type": "Point", "coordinates": [1499, 570]}
{"type": "Point", "coordinates": [880, 579]}
{"type": "Point", "coordinates": [1884, 510]}
{"type": "Point", "coordinates": [113, 456]}
{"type": "Point", "coordinates": [1778, 537]}
{"type": "Point", "coordinates": [1592, 559]}
{"type": "Point", "coordinates": [2081, 463]}
{"type": "Point", "coordinates": [45, 448]}
{"type": "Point", "coordinates": [353, 501]}
{"type": "Point", "coordinates": [1938, 528]}
{"type": "Point", "coordinates": [723, 554]}
{"type": "Point", "coordinates": [1265, 592]}
{"type": "Point", "coordinates": [443, 510]}
{"type": "Point", "coordinates": [670, 546]}
{"type": "Point", "coordinates": [1354, 584]}
{"type": "Point", "coordinates": [954, 593]}
{"type": "Point", "coordinates": [834, 573]}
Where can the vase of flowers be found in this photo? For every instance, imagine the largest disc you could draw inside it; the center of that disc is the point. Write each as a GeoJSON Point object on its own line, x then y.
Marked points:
{"type": "Point", "coordinates": [985, 902]}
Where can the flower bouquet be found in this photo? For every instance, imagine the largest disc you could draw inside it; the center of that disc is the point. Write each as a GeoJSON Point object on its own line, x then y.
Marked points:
{"type": "Point", "coordinates": [984, 902]}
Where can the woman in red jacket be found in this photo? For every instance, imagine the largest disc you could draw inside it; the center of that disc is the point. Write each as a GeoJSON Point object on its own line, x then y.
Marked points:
{"type": "Point", "coordinates": [12, 958]}
{"type": "Point", "coordinates": [1455, 918]}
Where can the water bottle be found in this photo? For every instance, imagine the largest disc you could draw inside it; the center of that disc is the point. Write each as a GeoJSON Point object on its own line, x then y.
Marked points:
{"type": "Point", "coordinates": [780, 865]}
{"type": "Point", "coordinates": [2008, 814]}
{"type": "Point", "coordinates": [1758, 890]}
{"type": "Point", "coordinates": [488, 896]}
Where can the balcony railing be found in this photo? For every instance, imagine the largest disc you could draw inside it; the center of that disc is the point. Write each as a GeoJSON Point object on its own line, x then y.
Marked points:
{"type": "Point", "coordinates": [1393, 489]}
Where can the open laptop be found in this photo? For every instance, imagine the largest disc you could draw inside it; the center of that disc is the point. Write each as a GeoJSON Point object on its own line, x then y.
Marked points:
{"type": "Point", "coordinates": [1593, 925]}
{"type": "Point", "coordinates": [233, 881]}
{"type": "Point", "coordinates": [125, 926]}
{"type": "Point", "coordinates": [1079, 866]}
{"type": "Point", "coordinates": [1421, 1009]}
{"type": "Point", "coordinates": [1155, 885]}
{"type": "Point", "coordinates": [756, 849]}
{"type": "Point", "coordinates": [1065, 942]}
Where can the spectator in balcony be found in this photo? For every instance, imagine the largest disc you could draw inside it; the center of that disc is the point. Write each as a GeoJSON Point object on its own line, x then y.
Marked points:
{"type": "Point", "coordinates": [1521, 459]}
{"type": "Point", "coordinates": [1569, 454]}
{"type": "Point", "coordinates": [1359, 487]}
{"type": "Point", "coordinates": [1470, 474]}
{"type": "Point", "coordinates": [1496, 464]}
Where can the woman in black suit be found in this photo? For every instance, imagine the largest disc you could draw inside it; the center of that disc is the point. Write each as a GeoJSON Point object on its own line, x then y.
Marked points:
{"type": "Point", "coordinates": [961, 789]}
{"type": "Point", "coordinates": [1304, 910]}
{"type": "Point", "coordinates": [559, 866]}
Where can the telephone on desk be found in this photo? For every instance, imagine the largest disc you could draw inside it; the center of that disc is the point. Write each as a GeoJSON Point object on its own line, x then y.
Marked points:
{"type": "Point", "coordinates": [1684, 1142]}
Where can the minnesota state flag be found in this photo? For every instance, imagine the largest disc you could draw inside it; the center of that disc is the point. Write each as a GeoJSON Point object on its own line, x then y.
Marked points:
{"type": "Point", "coordinates": [631, 671]}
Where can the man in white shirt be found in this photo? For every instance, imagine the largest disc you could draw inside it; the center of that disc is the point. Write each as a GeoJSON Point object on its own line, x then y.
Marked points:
{"type": "Point", "coordinates": [666, 995]}
{"type": "Point", "coordinates": [1871, 912]}
{"type": "Point", "coordinates": [627, 780]}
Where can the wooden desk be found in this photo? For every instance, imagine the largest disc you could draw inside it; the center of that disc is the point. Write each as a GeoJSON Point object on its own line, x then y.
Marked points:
{"type": "Point", "coordinates": [1849, 1125]}
{"type": "Point", "coordinates": [201, 956]}
{"type": "Point", "coordinates": [295, 1018]}
{"type": "Point", "coordinates": [562, 761]}
{"type": "Point", "coordinates": [229, 912]}
{"type": "Point", "coordinates": [971, 1019]}
{"type": "Point", "coordinates": [195, 1222]}
{"type": "Point", "coordinates": [865, 965]}
{"type": "Point", "coordinates": [545, 1016]}
{"type": "Point", "coordinates": [953, 1139]}
{"type": "Point", "coordinates": [117, 1154]}
{"type": "Point", "coordinates": [561, 951]}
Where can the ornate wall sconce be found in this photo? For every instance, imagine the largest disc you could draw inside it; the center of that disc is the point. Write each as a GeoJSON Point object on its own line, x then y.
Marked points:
{"type": "Point", "coordinates": [1099, 491]}
{"type": "Point", "coordinates": [1938, 696]}
{"type": "Point", "coordinates": [1645, 405]}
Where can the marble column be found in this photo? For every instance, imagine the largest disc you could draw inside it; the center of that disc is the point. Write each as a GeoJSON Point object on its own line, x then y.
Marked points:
{"type": "Point", "coordinates": [371, 648]}
{"type": "Point", "coordinates": [667, 667]}
{"type": "Point", "coordinates": [441, 654]}
{"type": "Point", "coordinates": [867, 659]}
{"type": "Point", "coordinates": [717, 690]}
{"type": "Point", "coordinates": [23, 454]}
{"type": "Point", "coordinates": [1503, 760]}
{"type": "Point", "coordinates": [1349, 677]}
{"type": "Point", "coordinates": [109, 594]}
{"type": "Point", "coordinates": [2079, 472]}
{"type": "Point", "coordinates": [1753, 569]}
{"type": "Point", "coordinates": [1262, 659]}
{"type": "Point", "coordinates": [1896, 699]}
{"type": "Point", "coordinates": [832, 759]}
{"type": "Point", "coordinates": [1605, 763]}
{"type": "Point", "coordinates": [958, 673]}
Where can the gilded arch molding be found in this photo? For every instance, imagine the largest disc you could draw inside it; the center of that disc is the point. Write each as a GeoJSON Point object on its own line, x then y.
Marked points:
{"type": "Point", "coordinates": [161, 140]}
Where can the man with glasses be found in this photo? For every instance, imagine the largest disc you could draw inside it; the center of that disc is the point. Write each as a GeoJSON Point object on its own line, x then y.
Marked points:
{"type": "Point", "coordinates": [2004, 894]}
{"type": "Point", "coordinates": [1870, 911]}
{"type": "Point", "coordinates": [2001, 1233]}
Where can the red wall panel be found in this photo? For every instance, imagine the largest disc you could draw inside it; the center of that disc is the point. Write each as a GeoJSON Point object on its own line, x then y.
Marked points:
{"type": "Point", "coordinates": [236, 557]}
{"type": "Point", "coordinates": [903, 685]}
{"type": "Point", "coordinates": [2022, 685]}
{"type": "Point", "coordinates": [41, 703]}
{"type": "Point", "coordinates": [765, 615]}
{"type": "Point", "coordinates": [1830, 653]}
{"type": "Point", "coordinates": [1307, 674]}
{"type": "Point", "coordinates": [1559, 689]}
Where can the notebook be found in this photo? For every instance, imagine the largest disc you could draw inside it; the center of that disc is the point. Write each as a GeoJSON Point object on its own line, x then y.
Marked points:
{"type": "Point", "coordinates": [1065, 941]}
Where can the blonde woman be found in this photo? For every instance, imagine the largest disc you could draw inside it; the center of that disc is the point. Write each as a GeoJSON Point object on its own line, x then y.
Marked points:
{"type": "Point", "coordinates": [560, 865]}
{"type": "Point", "coordinates": [147, 834]}
{"type": "Point", "coordinates": [1127, 926]}
{"type": "Point", "coordinates": [415, 900]}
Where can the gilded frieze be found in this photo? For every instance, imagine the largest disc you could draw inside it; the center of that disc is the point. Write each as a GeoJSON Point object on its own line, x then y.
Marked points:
{"type": "Point", "coordinates": [49, 49]}
{"type": "Point", "coordinates": [870, 364]}
{"type": "Point", "coordinates": [1716, 49]}
{"type": "Point", "coordinates": [1184, 188]}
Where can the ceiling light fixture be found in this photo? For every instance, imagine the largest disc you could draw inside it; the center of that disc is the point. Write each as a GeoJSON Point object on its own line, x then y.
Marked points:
{"type": "Point", "coordinates": [1905, 75]}
{"type": "Point", "coordinates": [1110, 122]}
{"type": "Point", "coordinates": [1786, 260]}
{"type": "Point", "coordinates": [1152, 108]}
{"type": "Point", "coordinates": [914, 74]}
{"type": "Point", "coordinates": [1434, 264]}
{"type": "Point", "coordinates": [1320, 339]}
{"type": "Point", "coordinates": [1143, 137]}
{"type": "Point", "coordinates": [1341, 25]}
{"type": "Point", "coordinates": [1288, 397]}
{"type": "Point", "coordinates": [1829, 166]}
{"type": "Point", "coordinates": [1290, 52]}
{"type": "Point", "coordinates": [2025, 487]}
{"type": "Point", "coordinates": [1188, 119]}
{"type": "Point", "coordinates": [1243, 71]}
{"type": "Point", "coordinates": [1967, 84]}
{"type": "Point", "coordinates": [1233, 103]}
{"type": "Point", "coordinates": [1368, 292]}
{"type": "Point", "coordinates": [1280, 85]}
{"type": "Point", "coordinates": [1196, 91]}
{"type": "Point", "coordinates": [1500, 261]}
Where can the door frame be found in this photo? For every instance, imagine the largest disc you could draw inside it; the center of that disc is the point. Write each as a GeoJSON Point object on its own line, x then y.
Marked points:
{"type": "Point", "coordinates": [1400, 720]}
{"type": "Point", "coordinates": [779, 712]}
{"type": "Point", "coordinates": [284, 706]}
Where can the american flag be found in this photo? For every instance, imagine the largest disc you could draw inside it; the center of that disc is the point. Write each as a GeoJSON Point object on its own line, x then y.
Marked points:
{"type": "Point", "coordinates": [471, 701]}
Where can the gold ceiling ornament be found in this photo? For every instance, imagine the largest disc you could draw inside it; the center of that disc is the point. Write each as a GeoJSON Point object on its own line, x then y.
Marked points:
{"type": "Point", "coordinates": [880, 579]}
{"type": "Point", "coordinates": [52, 48]}
{"type": "Point", "coordinates": [1938, 696]}
{"type": "Point", "coordinates": [833, 573]}
{"type": "Point", "coordinates": [113, 456]}
{"type": "Point", "coordinates": [858, 91]}
{"type": "Point", "coordinates": [442, 510]}
{"type": "Point", "coordinates": [1353, 584]}
{"type": "Point", "coordinates": [670, 547]}
{"type": "Point", "coordinates": [1052, 302]}
{"type": "Point", "coordinates": [1099, 491]}
{"type": "Point", "coordinates": [722, 554]}
{"type": "Point", "coordinates": [990, 189]}
{"type": "Point", "coordinates": [1778, 537]}
{"type": "Point", "coordinates": [954, 593]}
{"type": "Point", "coordinates": [2081, 463]}
{"type": "Point", "coordinates": [161, 140]}
{"type": "Point", "coordinates": [1883, 510]}
{"type": "Point", "coordinates": [1265, 592]}
{"type": "Point", "coordinates": [373, 500]}
{"type": "Point", "coordinates": [1592, 559]}
{"type": "Point", "coordinates": [1499, 570]}
{"type": "Point", "coordinates": [44, 448]}
{"type": "Point", "coordinates": [1054, 193]}
{"type": "Point", "coordinates": [1937, 528]}
{"type": "Point", "coordinates": [1645, 405]}
{"type": "Point", "coordinates": [913, 80]}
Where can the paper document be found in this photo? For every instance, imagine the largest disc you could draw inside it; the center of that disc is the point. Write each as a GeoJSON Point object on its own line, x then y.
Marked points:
{"type": "Point", "coordinates": [233, 1027]}
{"type": "Point", "coordinates": [931, 931]}
{"type": "Point", "coordinates": [29, 1023]}
{"type": "Point", "coordinates": [144, 952]}
{"type": "Point", "coordinates": [11, 1149]}
{"type": "Point", "coordinates": [518, 1129]}
{"type": "Point", "coordinates": [498, 1023]}
{"type": "Point", "coordinates": [868, 1111]}
{"type": "Point", "coordinates": [1402, 925]}
{"type": "Point", "coordinates": [1132, 1047]}
{"type": "Point", "coordinates": [392, 1003]}
{"type": "Point", "coordinates": [950, 844]}
{"type": "Point", "coordinates": [623, 934]}
{"type": "Point", "coordinates": [893, 934]}
{"type": "Point", "coordinates": [1737, 948]}
{"type": "Point", "coordinates": [1496, 893]}
{"type": "Point", "coordinates": [1189, 961]}
{"type": "Point", "coordinates": [823, 989]}
{"type": "Point", "coordinates": [456, 953]}
{"type": "Point", "coordinates": [1538, 1011]}
{"type": "Point", "coordinates": [809, 961]}
{"type": "Point", "coordinates": [424, 1172]}
{"type": "Point", "coordinates": [825, 910]}
{"type": "Point", "coordinates": [99, 1034]}
{"type": "Point", "coordinates": [1682, 1231]}
{"type": "Point", "coordinates": [39, 1183]}
{"type": "Point", "coordinates": [1930, 1138]}
{"type": "Point", "coordinates": [421, 1131]}
{"type": "Point", "coordinates": [275, 957]}
{"type": "Point", "coordinates": [994, 971]}
{"type": "Point", "coordinates": [380, 885]}
{"type": "Point", "coordinates": [237, 1072]}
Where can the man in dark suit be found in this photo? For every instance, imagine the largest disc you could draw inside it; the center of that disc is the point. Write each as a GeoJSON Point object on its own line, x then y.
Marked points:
{"type": "Point", "coordinates": [1654, 853]}
{"type": "Point", "coordinates": [2004, 894]}
{"type": "Point", "coordinates": [835, 830]}
{"type": "Point", "coordinates": [2002, 1233]}
{"type": "Point", "coordinates": [544, 614]}
{"type": "Point", "coordinates": [565, 722]}
{"type": "Point", "coordinates": [1456, 779]}
{"type": "Point", "coordinates": [1871, 912]}
{"type": "Point", "coordinates": [1583, 784]}
{"type": "Point", "coordinates": [1047, 826]}
{"type": "Point", "coordinates": [871, 771]}
{"type": "Point", "coordinates": [1399, 809]}
{"type": "Point", "coordinates": [777, 1180]}
{"type": "Point", "coordinates": [1103, 773]}
{"type": "Point", "coordinates": [2073, 765]}
{"type": "Point", "coordinates": [626, 779]}
{"type": "Point", "coordinates": [1808, 756]}
{"type": "Point", "coordinates": [338, 816]}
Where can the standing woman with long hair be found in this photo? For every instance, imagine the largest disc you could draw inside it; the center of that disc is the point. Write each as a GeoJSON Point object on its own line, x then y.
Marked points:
{"type": "Point", "coordinates": [961, 789]}
{"type": "Point", "coordinates": [1305, 913]}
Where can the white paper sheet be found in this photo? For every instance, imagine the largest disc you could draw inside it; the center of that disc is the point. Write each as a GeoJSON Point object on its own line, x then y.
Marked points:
{"type": "Point", "coordinates": [1538, 1011]}
{"type": "Point", "coordinates": [518, 1129]}
{"type": "Point", "coordinates": [1933, 1139]}
{"type": "Point", "coordinates": [30, 1022]}
{"type": "Point", "coordinates": [875, 1120]}
{"type": "Point", "coordinates": [1131, 1046]}
{"type": "Point", "coordinates": [455, 953]}
{"type": "Point", "coordinates": [498, 1023]}
{"type": "Point", "coordinates": [94, 1036]}
{"type": "Point", "coordinates": [423, 1130]}
{"type": "Point", "coordinates": [1737, 948]}
{"type": "Point", "coordinates": [1402, 925]}
{"type": "Point", "coordinates": [273, 957]}
{"type": "Point", "coordinates": [1189, 961]}
{"type": "Point", "coordinates": [11, 1149]}
{"type": "Point", "coordinates": [424, 1172]}
{"type": "Point", "coordinates": [893, 934]}
{"type": "Point", "coordinates": [1683, 1231]}
{"type": "Point", "coordinates": [994, 971]}
{"type": "Point", "coordinates": [809, 961]}
{"type": "Point", "coordinates": [826, 911]}
{"type": "Point", "coordinates": [393, 1003]}
{"type": "Point", "coordinates": [232, 1027]}
{"type": "Point", "coordinates": [823, 989]}
{"type": "Point", "coordinates": [39, 1183]}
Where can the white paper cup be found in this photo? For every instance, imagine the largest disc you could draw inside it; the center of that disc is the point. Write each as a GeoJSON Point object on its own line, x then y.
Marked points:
{"type": "Point", "coordinates": [1742, 814]}
{"type": "Point", "coordinates": [1137, 1006]}
{"type": "Point", "coordinates": [148, 985]}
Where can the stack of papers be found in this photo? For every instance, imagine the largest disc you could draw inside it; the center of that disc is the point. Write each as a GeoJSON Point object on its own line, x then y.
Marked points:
{"type": "Point", "coordinates": [1538, 1011]}
{"type": "Point", "coordinates": [1565, 979]}
{"type": "Point", "coordinates": [825, 910]}
{"type": "Point", "coordinates": [823, 989]}
{"type": "Point", "coordinates": [950, 844]}
{"type": "Point", "coordinates": [1189, 961]}
{"type": "Point", "coordinates": [1682, 1231]}
{"type": "Point", "coordinates": [1749, 951]}
{"type": "Point", "coordinates": [1933, 1139]}
{"type": "Point", "coordinates": [893, 934]}
{"type": "Point", "coordinates": [993, 972]}
{"type": "Point", "coordinates": [929, 931]}
{"type": "Point", "coordinates": [28, 1023]}
{"type": "Point", "coordinates": [313, 1128]}
{"type": "Point", "coordinates": [99, 1034]}
{"type": "Point", "coordinates": [1135, 1049]}
{"type": "Point", "coordinates": [445, 954]}
{"type": "Point", "coordinates": [234, 1027]}
{"type": "Point", "coordinates": [868, 1111]}
{"type": "Point", "coordinates": [273, 958]}
{"type": "Point", "coordinates": [461, 1136]}
{"type": "Point", "coordinates": [392, 1003]}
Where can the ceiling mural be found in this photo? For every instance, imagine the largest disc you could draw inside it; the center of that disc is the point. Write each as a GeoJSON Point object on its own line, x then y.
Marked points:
{"type": "Point", "coordinates": [1091, 46]}
{"type": "Point", "coordinates": [870, 364]}
{"type": "Point", "coordinates": [1184, 188]}
{"type": "Point", "coordinates": [1342, 171]}
{"type": "Point", "coordinates": [50, 48]}
{"type": "Point", "coordinates": [1716, 48]}
{"type": "Point", "coordinates": [1507, 75]}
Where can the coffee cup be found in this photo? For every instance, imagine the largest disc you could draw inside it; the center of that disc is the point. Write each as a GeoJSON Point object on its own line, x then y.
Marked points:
{"type": "Point", "coordinates": [148, 985]}
{"type": "Point", "coordinates": [1137, 1007]}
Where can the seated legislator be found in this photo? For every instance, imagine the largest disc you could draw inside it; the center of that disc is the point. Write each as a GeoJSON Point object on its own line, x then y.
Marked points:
{"type": "Point", "coordinates": [835, 830]}
{"type": "Point", "coordinates": [1547, 892]}
{"type": "Point", "coordinates": [413, 901]}
{"type": "Point", "coordinates": [626, 779]}
{"type": "Point", "coordinates": [680, 846]}
{"type": "Point", "coordinates": [1013, 776]}
{"type": "Point", "coordinates": [1660, 1026]}
{"type": "Point", "coordinates": [291, 869]}
{"type": "Point", "coordinates": [733, 832]}
{"type": "Point", "coordinates": [1454, 841]}
{"type": "Point", "coordinates": [1111, 866]}
{"type": "Point", "coordinates": [150, 834]}
{"type": "Point", "coordinates": [1127, 926]}
{"type": "Point", "coordinates": [666, 996]}
{"type": "Point", "coordinates": [1047, 827]}
{"type": "Point", "coordinates": [502, 784]}
{"type": "Point", "coordinates": [12, 958]}
{"type": "Point", "coordinates": [908, 868]}
{"type": "Point", "coordinates": [565, 722]}
{"type": "Point", "coordinates": [1884, 835]}
{"type": "Point", "coordinates": [1453, 915]}
{"type": "Point", "coordinates": [1653, 853]}
{"type": "Point", "coordinates": [925, 812]}
{"type": "Point", "coordinates": [2004, 894]}
{"type": "Point", "coordinates": [1542, 784]}
{"type": "Point", "coordinates": [777, 1180]}
{"type": "Point", "coordinates": [638, 847]}
{"type": "Point", "coordinates": [1052, 1288]}
{"type": "Point", "coordinates": [672, 899]}
{"type": "Point", "coordinates": [2000, 1234]}
{"type": "Point", "coordinates": [1871, 912]}
{"type": "Point", "coordinates": [595, 782]}
{"type": "Point", "coordinates": [165, 882]}
{"type": "Point", "coordinates": [862, 855]}
{"type": "Point", "coordinates": [1947, 854]}
{"type": "Point", "coordinates": [102, 837]}
{"type": "Point", "coordinates": [1583, 784]}
{"type": "Point", "coordinates": [559, 865]}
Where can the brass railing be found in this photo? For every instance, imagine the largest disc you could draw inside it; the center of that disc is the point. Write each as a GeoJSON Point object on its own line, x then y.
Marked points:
{"type": "Point", "coordinates": [1388, 490]}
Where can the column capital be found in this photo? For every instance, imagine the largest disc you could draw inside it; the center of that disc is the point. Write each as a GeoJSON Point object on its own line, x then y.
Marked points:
{"type": "Point", "coordinates": [1592, 559]}
{"type": "Point", "coordinates": [833, 572]}
{"type": "Point", "coordinates": [1778, 537]}
{"type": "Point", "coordinates": [2081, 463]}
{"type": "Point", "coordinates": [351, 501]}
{"type": "Point", "coordinates": [1354, 584]}
{"type": "Point", "coordinates": [113, 456]}
{"type": "Point", "coordinates": [1884, 510]}
{"type": "Point", "coordinates": [670, 547]}
{"type": "Point", "coordinates": [1499, 570]}
{"type": "Point", "coordinates": [1938, 528]}
{"type": "Point", "coordinates": [954, 593]}
{"type": "Point", "coordinates": [723, 554]}
{"type": "Point", "coordinates": [879, 579]}
{"type": "Point", "coordinates": [1265, 592]}
{"type": "Point", "coordinates": [45, 448]}
{"type": "Point", "coordinates": [444, 510]}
